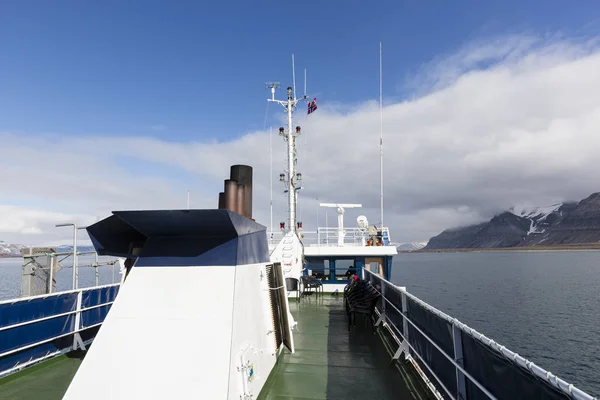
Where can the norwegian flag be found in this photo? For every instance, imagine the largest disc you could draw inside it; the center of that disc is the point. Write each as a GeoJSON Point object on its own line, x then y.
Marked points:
{"type": "Point", "coordinates": [312, 106]}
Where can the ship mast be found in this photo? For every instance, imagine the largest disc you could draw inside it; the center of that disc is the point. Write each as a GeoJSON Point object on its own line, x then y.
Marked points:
{"type": "Point", "coordinates": [293, 178]}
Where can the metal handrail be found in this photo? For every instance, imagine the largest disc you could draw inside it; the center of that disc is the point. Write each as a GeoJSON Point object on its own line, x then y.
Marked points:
{"type": "Point", "coordinates": [556, 382]}
{"type": "Point", "coordinates": [33, 321]}
{"type": "Point", "coordinates": [451, 359]}
{"type": "Point", "coordinates": [77, 326]}
{"type": "Point", "coordinates": [29, 346]}
{"type": "Point", "coordinates": [43, 296]}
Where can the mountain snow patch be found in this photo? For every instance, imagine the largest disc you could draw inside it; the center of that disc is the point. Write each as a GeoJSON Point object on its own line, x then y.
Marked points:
{"type": "Point", "coordinates": [537, 215]}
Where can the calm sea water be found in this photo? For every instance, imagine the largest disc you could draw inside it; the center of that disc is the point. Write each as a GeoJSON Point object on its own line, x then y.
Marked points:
{"type": "Point", "coordinates": [11, 270]}
{"type": "Point", "coordinates": [543, 305]}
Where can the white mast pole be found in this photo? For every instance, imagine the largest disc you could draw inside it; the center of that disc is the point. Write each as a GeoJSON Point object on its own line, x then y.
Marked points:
{"type": "Point", "coordinates": [271, 176]}
{"type": "Point", "coordinates": [291, 161]}
{"type": "Point", "coordinates": [381, 130]}
{"type": "Point", "coordinates": [290, 136]}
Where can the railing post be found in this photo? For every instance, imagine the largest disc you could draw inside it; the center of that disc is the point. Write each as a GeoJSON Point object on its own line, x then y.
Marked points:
{"type": "Point", "coordinates": [96, 269]}
{"type": "Point", "coordinates": [458, 357]}
{"type": "Point", "coordinates": [50, 261]}
{"type": "Point", "coordinates": [404, 321]}
{"type": "Point", "coordinates": [77, 342]}
{"type": "Point", "coordinates": [383, 285]}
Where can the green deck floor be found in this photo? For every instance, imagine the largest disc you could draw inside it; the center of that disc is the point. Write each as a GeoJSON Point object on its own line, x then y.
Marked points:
{"type": "Point", "coordinates": [329, 363]}
{"type": "Point", "coordinates": [48, 380]}
{"type": "Point", "coordinates": [332, 363]}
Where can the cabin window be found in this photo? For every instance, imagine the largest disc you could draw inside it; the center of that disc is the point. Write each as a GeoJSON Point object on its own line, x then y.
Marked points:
{"type": "Point", "coordinates": [334, 270]}
{"type": "Point", "coordinates": [318, 268]}
{"type": "Point", "coordinates": [344, 269]}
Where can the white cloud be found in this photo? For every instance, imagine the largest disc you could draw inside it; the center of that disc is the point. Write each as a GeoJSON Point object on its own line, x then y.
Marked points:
{"type": "Point", "coordinates": [510, 121]}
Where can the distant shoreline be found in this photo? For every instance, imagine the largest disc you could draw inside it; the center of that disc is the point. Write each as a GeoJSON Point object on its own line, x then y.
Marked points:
{"type": "Point", "coordinates": [8, 256]}
{"type": "Point", "coordinates": [566, 247]}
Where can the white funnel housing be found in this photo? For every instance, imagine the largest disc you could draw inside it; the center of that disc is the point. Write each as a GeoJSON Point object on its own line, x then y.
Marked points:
{"type": "Point", "coordinates": [194, 316]}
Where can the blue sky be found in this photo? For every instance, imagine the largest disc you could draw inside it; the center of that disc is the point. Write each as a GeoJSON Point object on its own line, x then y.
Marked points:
{"type": "Point", "coordinates": [195, 70]}
{"type": "Point", "coordinates": [127, 105]}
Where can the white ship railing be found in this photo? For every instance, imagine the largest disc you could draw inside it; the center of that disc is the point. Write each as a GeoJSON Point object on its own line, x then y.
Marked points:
{"type": "Point", "coordinates": [80, 310]}
{"type": "Point", "coordinates": [396, 299]}
{"type": "Point", "coordinates": [325, 237]}
{"type": "Point", "coordinates": [329, 237]}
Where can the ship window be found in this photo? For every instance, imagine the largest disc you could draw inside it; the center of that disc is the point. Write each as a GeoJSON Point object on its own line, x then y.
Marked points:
{"type": "Point", "coordinates": [343, 270]}
{"type": "Point", "coordinates": [319, 269]}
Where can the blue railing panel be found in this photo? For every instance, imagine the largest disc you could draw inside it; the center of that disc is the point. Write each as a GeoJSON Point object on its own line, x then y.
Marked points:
{"type": "Point", "coordinates": [29, 334]}
{"type": "Point", "coordinates": [33, 328]}
{"type": "Point", "coordinates": [390, 313]}
{"type": "Point", "coordinates": [441, 333]}
{"type": "Point", "coordinates": [93, 297]}
{"type": "Point", "coordinates": [501, 376]}
{"type": "Point", "coordinates": [487, 369]}
{"type": "Point", "coordinates": [94, 316]}
{"type": "Point", "coordinates": [36, 308]}
{"type": "Point", "coordinates": [34, 353]}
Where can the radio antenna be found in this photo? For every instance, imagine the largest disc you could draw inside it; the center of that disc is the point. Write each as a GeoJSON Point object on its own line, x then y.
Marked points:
{"type": "Point", "coordinates": [294, 75]}
{"type": "Point", "coordinates": [305, 83]}
{"type": "Point", "coordinates": [381, 130]}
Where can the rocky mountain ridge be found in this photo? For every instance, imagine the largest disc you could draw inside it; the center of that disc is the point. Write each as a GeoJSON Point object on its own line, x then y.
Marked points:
{"type": "Point", "coordinates": [14, 250]}
{"type": "Point", "coordinates": [411, 246]}
{"type": "Point", "coordinates": [558, 224]}
{"type": "Point", "coordinates": [10, 250]}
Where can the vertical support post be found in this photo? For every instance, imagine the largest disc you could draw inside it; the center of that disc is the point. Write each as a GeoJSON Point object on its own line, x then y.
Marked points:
{"type": "Point", "coordinates": [404, 321]}
{"type": "Point", "coordinates": [77, 342]}
{"type": "Point", "coordinates": [458, 357]}
{"type": "Point", "coordinates": [326, 228]}
{"type": "Point", "coordinates": [75, 268]}
{"type": "Point", "coordinates": [96, 268]}
{"type": "Point", "coordinates": [75, 271]}
{"type": "Point", "coordinates": [383, 285]}
{"type": "Point", "coordinates": [49, 262]}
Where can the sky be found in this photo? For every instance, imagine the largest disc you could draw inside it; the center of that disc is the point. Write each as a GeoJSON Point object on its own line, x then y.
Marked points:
{"type": "Point", "coordinates": [128, 105]}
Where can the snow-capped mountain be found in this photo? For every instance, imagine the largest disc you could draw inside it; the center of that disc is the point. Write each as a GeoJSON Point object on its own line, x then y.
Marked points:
{"type": "Point", "coordinates": [64, 248]}
{"type": "Point", "coordinates": [411, 246]}
{"type": "Point", "coordinates": [10, 250]}
{"type": "Point", "coordinates": [557, 224]}
{"type": "Point", "coordinates": [540, 217]}
{"type": "Point", "coordinates": [14, 250]}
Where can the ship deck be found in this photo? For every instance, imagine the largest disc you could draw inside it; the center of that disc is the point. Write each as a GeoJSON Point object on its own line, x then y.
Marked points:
{"type": "Point", "coordinates": [48, 380]}
{"type": "Point", "coordinates": [329, 363]}
{"type": "Point", "coordinates": [332, 363]}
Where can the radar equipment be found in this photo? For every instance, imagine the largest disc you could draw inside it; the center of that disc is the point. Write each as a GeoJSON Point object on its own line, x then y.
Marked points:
{"type": "Point", "coordinates": [340, 210]}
